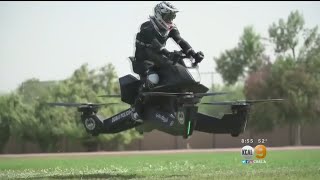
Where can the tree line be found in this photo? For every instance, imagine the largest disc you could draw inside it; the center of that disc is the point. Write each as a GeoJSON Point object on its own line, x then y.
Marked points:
{"type": "Point", "coordinates": [292, 74]}
{"type": "Point", "coordinates": [25, 115]}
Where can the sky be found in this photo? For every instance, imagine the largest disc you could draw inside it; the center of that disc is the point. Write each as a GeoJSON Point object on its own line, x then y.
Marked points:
{"type": "Point", "coordinates": [49, 40]}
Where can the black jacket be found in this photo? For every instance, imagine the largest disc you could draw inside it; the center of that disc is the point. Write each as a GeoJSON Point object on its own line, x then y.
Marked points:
{"type": "Point", "coordinates": [149, 40]}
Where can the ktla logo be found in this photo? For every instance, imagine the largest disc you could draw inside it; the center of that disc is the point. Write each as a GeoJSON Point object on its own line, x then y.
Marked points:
{"type": "Point", "coordinates": [260, 152]}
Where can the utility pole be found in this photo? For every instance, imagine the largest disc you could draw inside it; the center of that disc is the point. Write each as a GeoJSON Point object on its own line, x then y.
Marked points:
{"type": "Point", "coordinates": [212, 76]}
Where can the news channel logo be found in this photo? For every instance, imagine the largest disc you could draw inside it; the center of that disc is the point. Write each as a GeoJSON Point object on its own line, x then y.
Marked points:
{"type": "Point", "coordinates": [248, 153]}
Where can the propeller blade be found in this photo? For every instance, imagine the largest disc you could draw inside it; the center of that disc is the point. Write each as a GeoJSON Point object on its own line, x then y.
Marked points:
{"type": "Point", "coordinates": [79, 104]}
{"type": "Point", "coordinates": [219, 103]}
{"type": "Point", "coordinates": [242, 102]}
{"type": "Point", "coordinates": [65, 104]}
{"type": "Point", "coordinates": [185, 93]}
{"type": "Point", "coordinates": [210, 94]}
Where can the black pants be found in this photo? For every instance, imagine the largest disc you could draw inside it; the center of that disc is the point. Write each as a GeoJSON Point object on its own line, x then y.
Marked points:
{"type": "Point", "coordinates": [151, 60]}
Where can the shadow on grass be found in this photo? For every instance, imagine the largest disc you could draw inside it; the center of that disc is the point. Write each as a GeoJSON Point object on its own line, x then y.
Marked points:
{"type": "Point", "coordinates": [93, 176]}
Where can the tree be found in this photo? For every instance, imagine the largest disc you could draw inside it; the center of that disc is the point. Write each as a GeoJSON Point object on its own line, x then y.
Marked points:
{"type": "Point", "coordinates": [26, 115]}
{"type": "Point", "coordinates": [249, 61]}
{"type": "Point", "coordinates": [43, 125]}
{"type": "Point", "coordinates": [16, 118]}
{"type": "Point", "coordinates": [243, 59]}
{"type": "Point", "coordinates": [4, 122]}
{"type": "Point", "coordinates": [263, 116]}
{"type": "Point", "coordinates": [84, 86]}
{"type": "Point", "coordinates": [287, 38]}
{"type": "Point", "coordinates": [285, 35]}
{"type": "Point", "coordinates": [294, 75]}
{"type": "Point", "coordinates": [291, 77]}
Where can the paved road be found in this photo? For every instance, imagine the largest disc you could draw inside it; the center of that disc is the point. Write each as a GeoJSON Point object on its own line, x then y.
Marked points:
{"type": "Point", "coordinates": [120, 153]}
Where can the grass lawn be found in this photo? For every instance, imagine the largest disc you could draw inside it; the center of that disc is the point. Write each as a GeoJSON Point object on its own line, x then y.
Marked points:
{"type": "Point", "coordinates": [299, 164]}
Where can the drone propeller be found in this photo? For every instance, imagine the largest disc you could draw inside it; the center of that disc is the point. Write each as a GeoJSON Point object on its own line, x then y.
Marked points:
{"type": "Point", "coordinates": [182, 94]}
{"type": "Point", "coordinates": [80, 104]}
{"type": "Point", "coordinates": [242, 102]}
{"type": "Point", "coordinates": [210, 94]}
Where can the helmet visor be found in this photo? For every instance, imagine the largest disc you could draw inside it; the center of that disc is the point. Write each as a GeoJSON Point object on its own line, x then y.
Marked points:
{"type": "Point", "coordinates": [169, 17]}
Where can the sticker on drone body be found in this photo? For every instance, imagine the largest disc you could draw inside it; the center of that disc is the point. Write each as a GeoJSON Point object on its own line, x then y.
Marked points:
{"type": "Point", "coordinates": [181, 117]}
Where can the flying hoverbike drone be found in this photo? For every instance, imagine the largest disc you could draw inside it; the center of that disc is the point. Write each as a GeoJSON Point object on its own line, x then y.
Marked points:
{"type": "Point", "coordinates": [170, 107]}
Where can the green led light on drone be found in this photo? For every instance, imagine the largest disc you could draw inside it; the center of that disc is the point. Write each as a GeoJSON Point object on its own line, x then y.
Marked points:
{"type": "Point", "coordinates": [189, 127]}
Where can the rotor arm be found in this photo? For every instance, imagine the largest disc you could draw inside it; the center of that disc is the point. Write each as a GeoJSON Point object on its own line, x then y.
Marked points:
{"type": "Point", "coordinates": [96, 125]}
{"type": "Point", "coordinates": [231, 123]}
{"type": "Point", "coordinates": [119, 122]}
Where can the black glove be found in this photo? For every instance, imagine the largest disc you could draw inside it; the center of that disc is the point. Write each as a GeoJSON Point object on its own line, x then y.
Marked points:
{"type": "Point", "coordinates": [198, 57]}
